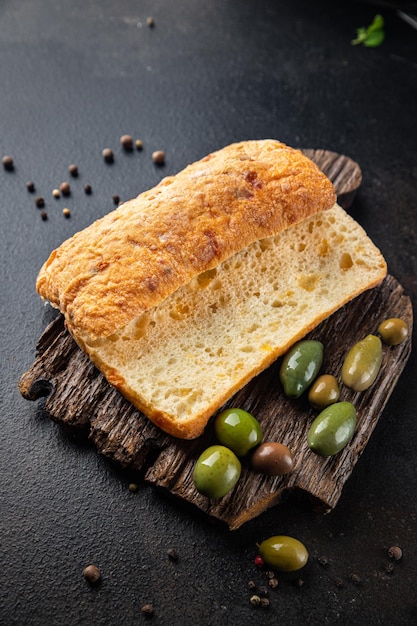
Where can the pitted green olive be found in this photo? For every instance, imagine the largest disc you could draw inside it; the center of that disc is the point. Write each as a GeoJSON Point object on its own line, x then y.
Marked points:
{"type": "Point", "coordinates": [332, 429]}
{"type": "Point", "coordinates": [216, 471]}
{"type": "Point", "coordinates": [286, 554]}
{"type": "Point", "coordinates": [393, 331]}
{"type": "Point", "coordinates": [362, 363]}
{"type": "Point", "coordinates": [238, 430]}
{"type": "Point", "coordinates": [300, 367]}
{"type": "Point", "coordinates": [324, 391]}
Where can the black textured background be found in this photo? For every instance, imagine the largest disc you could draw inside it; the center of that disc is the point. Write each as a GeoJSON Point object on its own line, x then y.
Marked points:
{"type": "Point", "coordinates": [74, 76]}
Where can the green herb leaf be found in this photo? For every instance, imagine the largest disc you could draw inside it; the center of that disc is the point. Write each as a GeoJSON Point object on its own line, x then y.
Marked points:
{"type": "Point", "coordinates": [371, 36]}
{"type": "Point", "coordinates": [374, 39]}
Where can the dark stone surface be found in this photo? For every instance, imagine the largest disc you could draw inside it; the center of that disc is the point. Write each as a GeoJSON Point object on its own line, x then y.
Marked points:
{"type": "Point", "coordinates": [74, 77]}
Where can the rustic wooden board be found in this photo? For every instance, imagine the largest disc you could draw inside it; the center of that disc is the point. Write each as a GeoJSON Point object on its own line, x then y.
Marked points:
{"type": "Point", "coordinates": [78, 396]}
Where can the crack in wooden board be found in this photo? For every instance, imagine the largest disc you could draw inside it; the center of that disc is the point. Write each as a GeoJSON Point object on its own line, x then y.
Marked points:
{"type": "Point", "coordinates": [78, 396]}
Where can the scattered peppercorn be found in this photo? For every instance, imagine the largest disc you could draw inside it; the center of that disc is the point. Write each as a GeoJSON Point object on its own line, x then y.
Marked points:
{"type": "Point", "coordinates": [389, 568]}
{"type": "Point", "coordinates": [139, 144]}
{"type": "Point", "coordinates": [66, 212]}
{"type": "Point", "coordinates": [259, 561]}
{"type": "Point", "coordinates": [273, 583]}
{"type": "Point", "coordinates": [44, 215]}
{"type": "Point", "coordinates": [147, 609]}
{"type": "Point", "coordinates": [87, 189]}
{"type": "Point", "coordinates": [65, 188]}
{"type": "Point", "coordinates": [255, 600]}
{"type": "Point", "coordinates": [299, 582]}
{"type": "Point", "coordinates": [323, 560]}
{"type": "Point", "coordinates": [73, 170]}
{"type": "Point", "coordinates": [92, 574]}
{"type": "Point", "coordinates": [108, 155]}
{"type": "Point", "coordinates": [264, 603]}
{"type": "Point", "coordinates": [356, 579]}
{"type": "Point", "coordinates": [158, 157]}
{"type": "Point", "coordinates": [40, 202]}
{"type": "Point", "coordinates": [133, 487]}
{"type": "Point", "coordinates": [150, 22]}
{"type": "Point", "coordinates": [116, 198]}
{"type": "Point", "coordinates": [172, 554]}
{"type": "Point", "coordinates": [263, 591]}
{"type": "Point", "coordinates": [127, 142]}
{"type": "Point", "coordinates": [8, 163]}
{"type": "Point", "coordinates": [339, 583]}
{"type": "Point", "coordinates": [252, 584]}
{"type": "Point", "coordinates": [270, 574]}
{"type": "Point", "coordinates": [56, 193]}
{"type": "Point", "coordinates": [395, 552]}
{"type": "Point", "coordinates": [30, 186]}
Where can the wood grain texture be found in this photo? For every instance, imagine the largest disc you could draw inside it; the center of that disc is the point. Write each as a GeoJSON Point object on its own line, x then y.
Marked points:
{"type": "Point", "coordinates": [78, 396]}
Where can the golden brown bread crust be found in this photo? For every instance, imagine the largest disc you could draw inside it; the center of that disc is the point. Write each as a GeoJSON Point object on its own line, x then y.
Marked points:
{"type": "Point", "coordinates": [134, 257]}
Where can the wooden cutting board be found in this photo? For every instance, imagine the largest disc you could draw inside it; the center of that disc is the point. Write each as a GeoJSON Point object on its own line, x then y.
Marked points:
{"type": "Point", "coordinates": [78, 396]}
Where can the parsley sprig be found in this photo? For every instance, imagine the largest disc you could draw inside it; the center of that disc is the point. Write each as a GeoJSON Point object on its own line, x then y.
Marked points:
{"type": "Point", "coordinates": [370, 36]}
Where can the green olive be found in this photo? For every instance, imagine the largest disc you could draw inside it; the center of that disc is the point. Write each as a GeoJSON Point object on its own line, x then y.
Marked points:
{"type": "Point", "coordinates": [332, 429]}
{"type": "Point", "coordinates": [300, 367]}
{"type": "Point", "coordinates": [362, 363]}
{"type": "Point", "coordinates": [284, 553]}
{"type": "Point", "coordinates": [216, 471]}
{"type": "Point", "coordinates": [238, 430]}
{"type": "Point", "coordinates": [324, 391]}
{"type": "Point", "coordinates": [393, 331]}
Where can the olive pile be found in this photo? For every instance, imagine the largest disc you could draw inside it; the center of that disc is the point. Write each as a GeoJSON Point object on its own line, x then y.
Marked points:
{"type": "Point", "coordinates": [238, 433]}
{"type": "Point", "coordinates": [333, 428]}
{"type": "Point", "coordinates": [218, 468]}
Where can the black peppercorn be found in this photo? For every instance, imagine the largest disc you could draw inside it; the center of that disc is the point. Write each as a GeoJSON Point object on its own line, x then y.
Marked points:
{"type": "Point", "coordinates": [127, 142]}
{"type": "Point", "coordinates": [158, 157]}
{"type": "Point", "coordinates": [65, 188]}
{"type": "Point", "coordinates": [147, 610]}
{"type": "Point", "coordinates": [30, 186]}
{"type": "Point", "coordinates": [116, 198]}
{"type": "Point", "coordinates": [356, 579]}
{"type": "Point", "coordinates": [73, 170]}
{"type": "Point", "coordinates": [172, 554]}
{"type": "Point", "coordinates": [108, 155]}
{"type": "Point", "coordinates": [44, 215]}
{"type": "Point", "coordinates": [92, 574]}
{"type": "Point", "coordinates": [8, 163]}
{"type": "Point", "coordinates": [40, 202]}
{"type": "Point", "coordinates": [87, 189]}
{"type": "Point", "coordinates": [395, 552]}
{"type": "Point", "coordinates": [339, 583]}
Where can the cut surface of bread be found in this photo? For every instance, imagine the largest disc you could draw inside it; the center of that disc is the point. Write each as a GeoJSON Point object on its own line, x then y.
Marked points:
{"type": "Point", "coordinates": [134, 257]}
{"type": "Point", "coordinates": [183, 359]}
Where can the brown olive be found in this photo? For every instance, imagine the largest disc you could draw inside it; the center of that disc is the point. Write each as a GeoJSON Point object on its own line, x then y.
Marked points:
{"type": "Point", "coordinates": [272, 458]}
{"type": "Point", "coordinates": [393, 331]}
{"type": "Point", "coordinates": [324, 391]}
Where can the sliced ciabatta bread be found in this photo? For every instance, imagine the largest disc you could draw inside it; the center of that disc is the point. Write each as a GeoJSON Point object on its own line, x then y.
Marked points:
{"type": "Point", "coordinates": [185, 293]}
{"type": "Point", "coordinates": [181, 360]}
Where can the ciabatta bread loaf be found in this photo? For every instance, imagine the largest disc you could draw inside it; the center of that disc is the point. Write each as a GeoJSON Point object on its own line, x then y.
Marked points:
{"type": "Point", "coordinates": [184, 294]}
{"type": "Point", "coordinates": [134, 257]}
